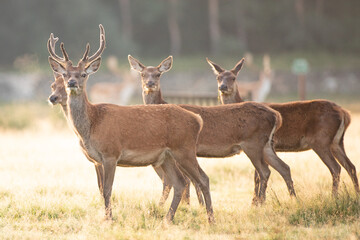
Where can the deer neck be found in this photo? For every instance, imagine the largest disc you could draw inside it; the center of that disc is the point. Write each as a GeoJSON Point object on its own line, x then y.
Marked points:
{"type": "Point", "coordinates": [79, 109]}
{"type": "Point", "coordinates": [65, 110]}
{"type": "Point", "coordinates": [153, 97]}
{"type": "Point", "coordinates": [234, 97]}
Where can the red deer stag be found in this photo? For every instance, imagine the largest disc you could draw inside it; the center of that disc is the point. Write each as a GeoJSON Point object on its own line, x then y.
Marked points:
{"type": "Point", "coordinates": [227, 129]}
{"type": "Point", "coordinates": [319, 125]}
{"type": "Point", "coordinates": [113, 135]}
{"type": "Point", "coordinates": [59, 96]}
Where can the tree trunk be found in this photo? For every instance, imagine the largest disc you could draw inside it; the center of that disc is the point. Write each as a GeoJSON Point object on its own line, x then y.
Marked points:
{"type": "Point", "coordinates": [299, 8]}
{"type": "Point", "coordinates": [319, 7]}
{"type": "Point", "coordinates": [240, 25]}
{"type": "Point", "coordinates": [174, 29]}
{"type": "Point", "coordinates": [214, 25]}
{"type": "Point", "coordinates": [127, 28]}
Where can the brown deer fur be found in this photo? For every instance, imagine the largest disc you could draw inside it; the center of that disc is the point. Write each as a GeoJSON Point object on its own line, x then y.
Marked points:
{"type": "Point", "coordinates": [227, 129]}
{"type": "Point", "coordinates": [319, 125]}
{"type": "Point", "coordinates": [59, 96]}
{"type": "Point", "coordinates": [114, 135]}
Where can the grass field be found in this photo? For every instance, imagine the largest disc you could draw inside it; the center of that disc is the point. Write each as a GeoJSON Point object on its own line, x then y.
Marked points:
{"type": "Point", "coordinates": [48, 190]}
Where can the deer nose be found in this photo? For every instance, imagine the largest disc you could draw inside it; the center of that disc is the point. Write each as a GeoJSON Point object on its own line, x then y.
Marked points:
{"type": "Point", "coordinates": [53, 98]}
{"type": "Point", "coordinates": [223, 87]}
{"type": "Point", "coordinates": [71, 83]}
{"type": "Point", "coordinates": [151, 84]}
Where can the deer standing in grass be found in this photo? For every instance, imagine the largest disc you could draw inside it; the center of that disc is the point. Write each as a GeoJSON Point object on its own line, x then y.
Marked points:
{"type": "Point", "coordinates": [112, 135]}
{"type": "Point", "coordinates": [319, 125]}
{"type": "Point", "coordinates": [227, 130]}
{"type": "Point", "coordinates": [59, 96]}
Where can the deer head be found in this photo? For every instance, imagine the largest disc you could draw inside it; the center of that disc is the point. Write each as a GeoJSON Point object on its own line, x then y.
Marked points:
{"type": "Point", "coordinates": [75, 77]}
{"type": "Point", "coordinates": [226, 79]}
{"type": "Point", "coordinates": [150, 76]}
{"type": "Point", "coordinates": [58, 92]}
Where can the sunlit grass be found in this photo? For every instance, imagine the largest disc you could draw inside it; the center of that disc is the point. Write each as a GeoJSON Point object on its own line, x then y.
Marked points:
{"type": "Point", "coordinates": [48, 190]}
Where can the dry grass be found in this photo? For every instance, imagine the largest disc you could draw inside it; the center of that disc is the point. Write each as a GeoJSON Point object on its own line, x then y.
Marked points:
{"type": "Point", "coordinates": [48, 190]}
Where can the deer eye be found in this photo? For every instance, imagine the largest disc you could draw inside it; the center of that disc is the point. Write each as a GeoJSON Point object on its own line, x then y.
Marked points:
{"type": "Point", "coordinates": [83, 75]}
{"type": "Point", "coordinates": [158, 75]}
{"type": "Point", "coordinates": [143, 74]}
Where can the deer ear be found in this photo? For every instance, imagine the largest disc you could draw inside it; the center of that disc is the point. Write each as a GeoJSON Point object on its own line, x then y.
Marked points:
{"type": "Point", "coordinates": [166, 64]}
{"type": "Point", "coordinates": [135, 64]}
{"type": "Point", "coordinates": [238, 67]}
{"type": "Point", "coordinates": [56, 66]}
{"type": "Point", "coordinates": [216, 68]}
{"type": "Point", "coordinates": [93, 66]}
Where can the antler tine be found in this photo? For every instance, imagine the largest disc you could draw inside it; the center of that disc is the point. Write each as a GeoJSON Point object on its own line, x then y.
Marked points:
{"type": "Point", "coordinates": [66, 56]}
{"type": "Point", "coordinates": [51, 48]}
{"type": "Point", "coordinates": [53, 40]}
{"type": "Point", "coordinates": [102, 31]}
{"type": "Point", "coordinates": [102, 44]}
{"type": "Point", "coordinates": [84, 58]}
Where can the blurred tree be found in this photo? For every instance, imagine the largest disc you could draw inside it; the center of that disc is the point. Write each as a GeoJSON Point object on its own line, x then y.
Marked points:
{"type": "Point", "coordinates": [174, 29]}
{"type": "Point", "coordinates": [214, 25]}
{"type": "Point", "coordinates": [188, 27]}
{"type": "Point", "coordinates": [241, 24]}
{"type": "Point", "coordinates": [125, 13]}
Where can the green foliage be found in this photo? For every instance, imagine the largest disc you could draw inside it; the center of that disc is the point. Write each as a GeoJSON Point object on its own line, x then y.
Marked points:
{"type": "Point", "coordinates": [254, 26]}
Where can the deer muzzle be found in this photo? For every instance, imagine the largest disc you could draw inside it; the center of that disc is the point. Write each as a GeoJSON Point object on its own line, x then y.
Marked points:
{"type": "Point", "coordinates": [53, 99]}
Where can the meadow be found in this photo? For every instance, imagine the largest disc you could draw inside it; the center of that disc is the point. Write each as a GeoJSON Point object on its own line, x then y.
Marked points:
{"type": "Point", "coordinates": [48, 190]}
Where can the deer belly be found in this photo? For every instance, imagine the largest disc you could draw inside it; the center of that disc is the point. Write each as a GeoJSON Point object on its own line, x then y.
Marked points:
{"type": "Point", "coordinates": [297, 145]}
{"type": "Point", "coordinates": [139, 158]}
{"type": "Point", "coordinates": [217, 151]}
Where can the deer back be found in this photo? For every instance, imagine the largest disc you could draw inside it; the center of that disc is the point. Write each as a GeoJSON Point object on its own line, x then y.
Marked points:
{"type": "Point", "coordinates": [234, 123]}
{"type": "Point", "coordinates": [142, 127]}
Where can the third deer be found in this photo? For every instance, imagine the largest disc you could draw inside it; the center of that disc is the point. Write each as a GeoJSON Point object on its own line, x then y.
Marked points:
{"type": "Point", "coordinates": [319, 125]}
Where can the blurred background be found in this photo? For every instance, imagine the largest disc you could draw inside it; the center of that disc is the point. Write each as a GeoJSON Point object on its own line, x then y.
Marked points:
{"type": "Point", "coordinates": [324, 34]}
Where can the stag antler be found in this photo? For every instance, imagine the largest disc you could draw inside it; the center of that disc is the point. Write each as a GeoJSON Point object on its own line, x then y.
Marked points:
{"type": "Point", "coordinates": [86, 59]}
{"type": "Point", "coordinates": [51, 48]}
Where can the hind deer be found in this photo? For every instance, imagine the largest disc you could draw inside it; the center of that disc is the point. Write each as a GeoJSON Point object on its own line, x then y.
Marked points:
{"type": "Point", "coordinates": [319, 125]}
{"type": "Point", "coordinates": [227, 130]}
{"type": "Point", "coordinates": [112, 135]}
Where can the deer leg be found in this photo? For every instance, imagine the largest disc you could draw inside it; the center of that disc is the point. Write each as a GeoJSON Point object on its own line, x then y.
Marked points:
{"type": "Point", "coordinates": [338, 151]}
{"type": "Point", "coordinates": [325, 155]}
{"type": "Point", "coordinates": [166, 185]}
{"type": "Point", "coordinates": [274, 161]}
{"type": "Point", "coordinates": [100, 175]}
{"type": "Point", "coordinates": [179, 183]}
{"type": "Point", "coordinates": [257, 185]}
{"type": "Point", "coordinates": [198, 191]}
{"type": "Point", "coordinates": [189, 166]}
{"type": "Point", "coordinates": [109, 165]}
{"type": "Point", "coordinates": [256, 157]}
{"type": "Point", "coordinates": [186, 194]}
